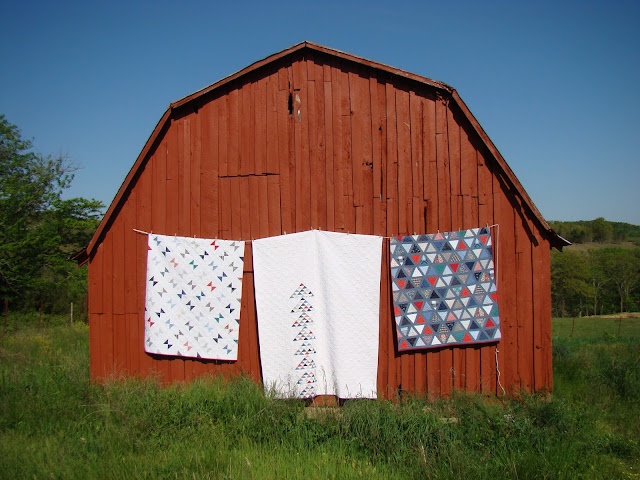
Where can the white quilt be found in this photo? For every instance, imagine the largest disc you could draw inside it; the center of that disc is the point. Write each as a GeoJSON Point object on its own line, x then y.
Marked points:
{"type": "Point", "coordinates": [193, 293]}
{"type": "Point", "coordinates": [318, 299]}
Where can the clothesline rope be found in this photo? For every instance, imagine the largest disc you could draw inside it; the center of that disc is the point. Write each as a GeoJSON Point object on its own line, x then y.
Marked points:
{"type": "Point", "coordinates": [348, 233]}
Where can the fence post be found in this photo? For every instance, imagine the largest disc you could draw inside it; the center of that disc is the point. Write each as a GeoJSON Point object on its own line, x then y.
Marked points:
{"type": "Point", "coordinates": [71, 314]}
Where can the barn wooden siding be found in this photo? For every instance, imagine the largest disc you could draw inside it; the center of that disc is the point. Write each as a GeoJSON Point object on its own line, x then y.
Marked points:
{"type": "Point", "coordinates": [313, 141]}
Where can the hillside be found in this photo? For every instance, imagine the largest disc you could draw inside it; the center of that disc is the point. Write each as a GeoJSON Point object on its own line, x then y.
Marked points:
{"type": "Point", "coordinates": [598, 230]}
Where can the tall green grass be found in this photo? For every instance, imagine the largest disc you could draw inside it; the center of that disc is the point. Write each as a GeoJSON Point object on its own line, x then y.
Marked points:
{"type": "Point", "coordinates": [55, 424]}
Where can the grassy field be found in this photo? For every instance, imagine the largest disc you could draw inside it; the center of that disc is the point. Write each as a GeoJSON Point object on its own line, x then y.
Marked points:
{"type": "Point", "coordinates": [55, 424]}
{"type": "Point", "coordinates": [608, 327]}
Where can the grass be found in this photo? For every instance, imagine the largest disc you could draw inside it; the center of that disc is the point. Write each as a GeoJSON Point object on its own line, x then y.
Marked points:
{"type": "Point", "coordinates": [596, 328]}
{"type": "Point", "coordinates": [583, 247]}
{"type": "Point", "coordinates": [55, 424]}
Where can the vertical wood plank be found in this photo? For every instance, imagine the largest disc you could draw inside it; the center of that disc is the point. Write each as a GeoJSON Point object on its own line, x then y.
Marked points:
{"type": "Point", "coordinates": [301, 146]}
{"type": "Point", "coordinates": [184, 176]}
{"type": "Point", "coordinates": [195, 183]}
{"type": "Point", "coordinates": [488, 378]}
{"type": "Point", "coordinates": [405, 205]}
{"type": "Point", "coordinates": [225, 208]}
{"type": "Point", "coordinates": [444, 220]}
{"type": "Point", "coordinates": [239, 191]}
{"type": "Point", "coordinates": [362, 154]}
{"type": "Point", "coordinates": [384, 388]}
{"type": "Point", "coordinates": [107, 322]}
{"type": "Point", "coordinates": [405, 172]}
{"type": "Point", "coordinates": [430, 187]}
{"type": "Point", "coordinates": [246, 123]}
{"type": "Point", "coordinates": [379, 150]}
{"type": "Point", "coordinates": [395, 363]}
{"type": "Point", "coordinates": [129, 254]}
{"type": "Point", "coordinates": [259, 94]}
{"type": "Point", "coordinates": [144, 222]}
{"type": "Point", "coordinates": [95, 280]}
{"type": "Point", "coordinates": [175, 212]}
{"type": "Point", "coordinates": [287, 162]}
{"type": "Point", "coordinates": [317, 153]}
{"type": "Point", "coordinates": [209, 206]}
{"type": "Point", "coordinates": [329, 149]}
{"type": "Point", "coordinates": [507, 349]}
{"type": "Point", "coordinates": [417, 144]}
{"type": "Point", "coordinates": [541, 317]}
{"type": "Point", "coordinates": [273, 192]}
{"type": "Point", "coordinates": [416, 112]}
{"type": "Point", "coordinates": [120, 367]}
{"type": "Point", "coordinates": [95, 344]}
{"type": "Point", "coordinates": [339, 92]}
{"type": "Point", "coordinates": [253, 212]}
{"type": "Point", "coordinates": [263, 207]}
{"type": "Point", "coordinates": [132, 339]}
{"type": "Point", "coordinates": [117, 260]}
{"type": "Point", "coordinates": [453, 133]}
{"type": "Point", "coordinates": [349, 213]}
{"type": "Point", "coordinates": [524, 305]}
{"type": "Point", "coordinates": [233, 140]}
{"type": "Point", "coordinates": [224, 126]}
{"type": "Point", "coordinates": [249, 224]}
{"type": "Point", "coordinates": [273, 162]}
{"type": "Point", "coordinates": [453, 130]}
{"type": "Point", "coordinates": [469, 195]}
{"type": "Point", "coordinates": [545, 320]}
{"type": "Point", "coordinates": [248, 350]}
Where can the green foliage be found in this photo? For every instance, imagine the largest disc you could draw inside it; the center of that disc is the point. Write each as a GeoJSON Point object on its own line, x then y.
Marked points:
{"type": "Point", "coordinates": [39, 230]}
{"type": "Point", "coordinates": [603, 280]}
{"type": "Point", "coordinates": [55, 423]}
{"type": "Point", "coordinates": [598, 230]}
{"type": "Point", "coordinates": [570, 279]}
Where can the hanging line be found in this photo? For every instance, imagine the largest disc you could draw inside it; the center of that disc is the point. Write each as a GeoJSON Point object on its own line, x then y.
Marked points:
{"type": "Point", "coordinates": [487, 226]}
{"type": "Point", "coordinates": [504, 392]}
{"type": "Point", "coordinates": [495, 244]}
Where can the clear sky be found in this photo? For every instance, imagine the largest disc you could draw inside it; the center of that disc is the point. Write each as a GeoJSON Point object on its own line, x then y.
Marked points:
{"type": "Point", "coordinates": [555, 84]}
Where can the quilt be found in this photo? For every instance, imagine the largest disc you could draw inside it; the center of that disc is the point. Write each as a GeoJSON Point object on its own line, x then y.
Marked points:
{"type": "Point", "coordinates": [444, 289]}
{"type": "Point", "coordinates": [193, 292]}
{"type": "Point", "coordinates": [318, 300]}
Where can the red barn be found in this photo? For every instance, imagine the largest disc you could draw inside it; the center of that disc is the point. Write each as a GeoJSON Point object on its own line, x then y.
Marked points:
{"type": "Point", "coordinates": [314, 138]}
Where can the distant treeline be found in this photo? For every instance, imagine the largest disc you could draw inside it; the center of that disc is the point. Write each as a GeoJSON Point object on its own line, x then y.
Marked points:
{"type": "Point", "coordinates": [602, 279]}
{"type": "Point", "coordinates": [598, 230]}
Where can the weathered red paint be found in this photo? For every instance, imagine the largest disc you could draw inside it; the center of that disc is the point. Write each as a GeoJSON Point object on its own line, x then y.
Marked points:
{"type": "Point", "coordinates": [315, 138]}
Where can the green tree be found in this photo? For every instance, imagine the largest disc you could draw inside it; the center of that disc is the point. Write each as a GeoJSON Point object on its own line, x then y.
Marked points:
{"type": "Point", "coordinates": [621, 267]}
{"type": "Point", "coordinates": [571, 289]}
{"type": "Point", "coordinates": [39, 231]}
{"type": "Point", "coordinates": [599, 278]}
{"type": "Point", "coordinates": [602, 230]}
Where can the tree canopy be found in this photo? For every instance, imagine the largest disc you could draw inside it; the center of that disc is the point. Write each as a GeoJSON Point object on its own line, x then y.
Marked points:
{"type": "Point", "coordinates": [602, 280]}
{"type": "Point", "coordinates": [39, 230]}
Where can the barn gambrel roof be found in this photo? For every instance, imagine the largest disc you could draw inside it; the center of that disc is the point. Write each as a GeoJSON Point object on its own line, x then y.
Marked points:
{"type": "Point", "coordinates": [441, 88]}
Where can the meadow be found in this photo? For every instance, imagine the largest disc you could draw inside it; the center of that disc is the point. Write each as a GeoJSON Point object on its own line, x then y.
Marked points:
{"type": "Point", "coordinates": [55, 424]}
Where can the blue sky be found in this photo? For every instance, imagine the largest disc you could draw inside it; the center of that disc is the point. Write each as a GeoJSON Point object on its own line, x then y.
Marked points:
{"type": "Point", "coordinates": [556, 85]}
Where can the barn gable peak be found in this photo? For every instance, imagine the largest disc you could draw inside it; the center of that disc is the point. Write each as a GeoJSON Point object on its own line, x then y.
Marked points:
{"type": "Point", "coordinates": [442, 90]}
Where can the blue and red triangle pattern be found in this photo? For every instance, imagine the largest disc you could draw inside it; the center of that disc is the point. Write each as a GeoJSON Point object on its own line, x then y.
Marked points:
{"type": "Point", "coordinates": [444, 289]}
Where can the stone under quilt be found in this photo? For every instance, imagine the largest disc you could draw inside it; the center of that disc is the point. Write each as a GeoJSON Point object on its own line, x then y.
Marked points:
{"type": "Point", "coordinates": [444, 289]}
{"type": "Point", "coordinates": [193, 293]}
{"type": "Point", "coordinates": [318, 301]}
